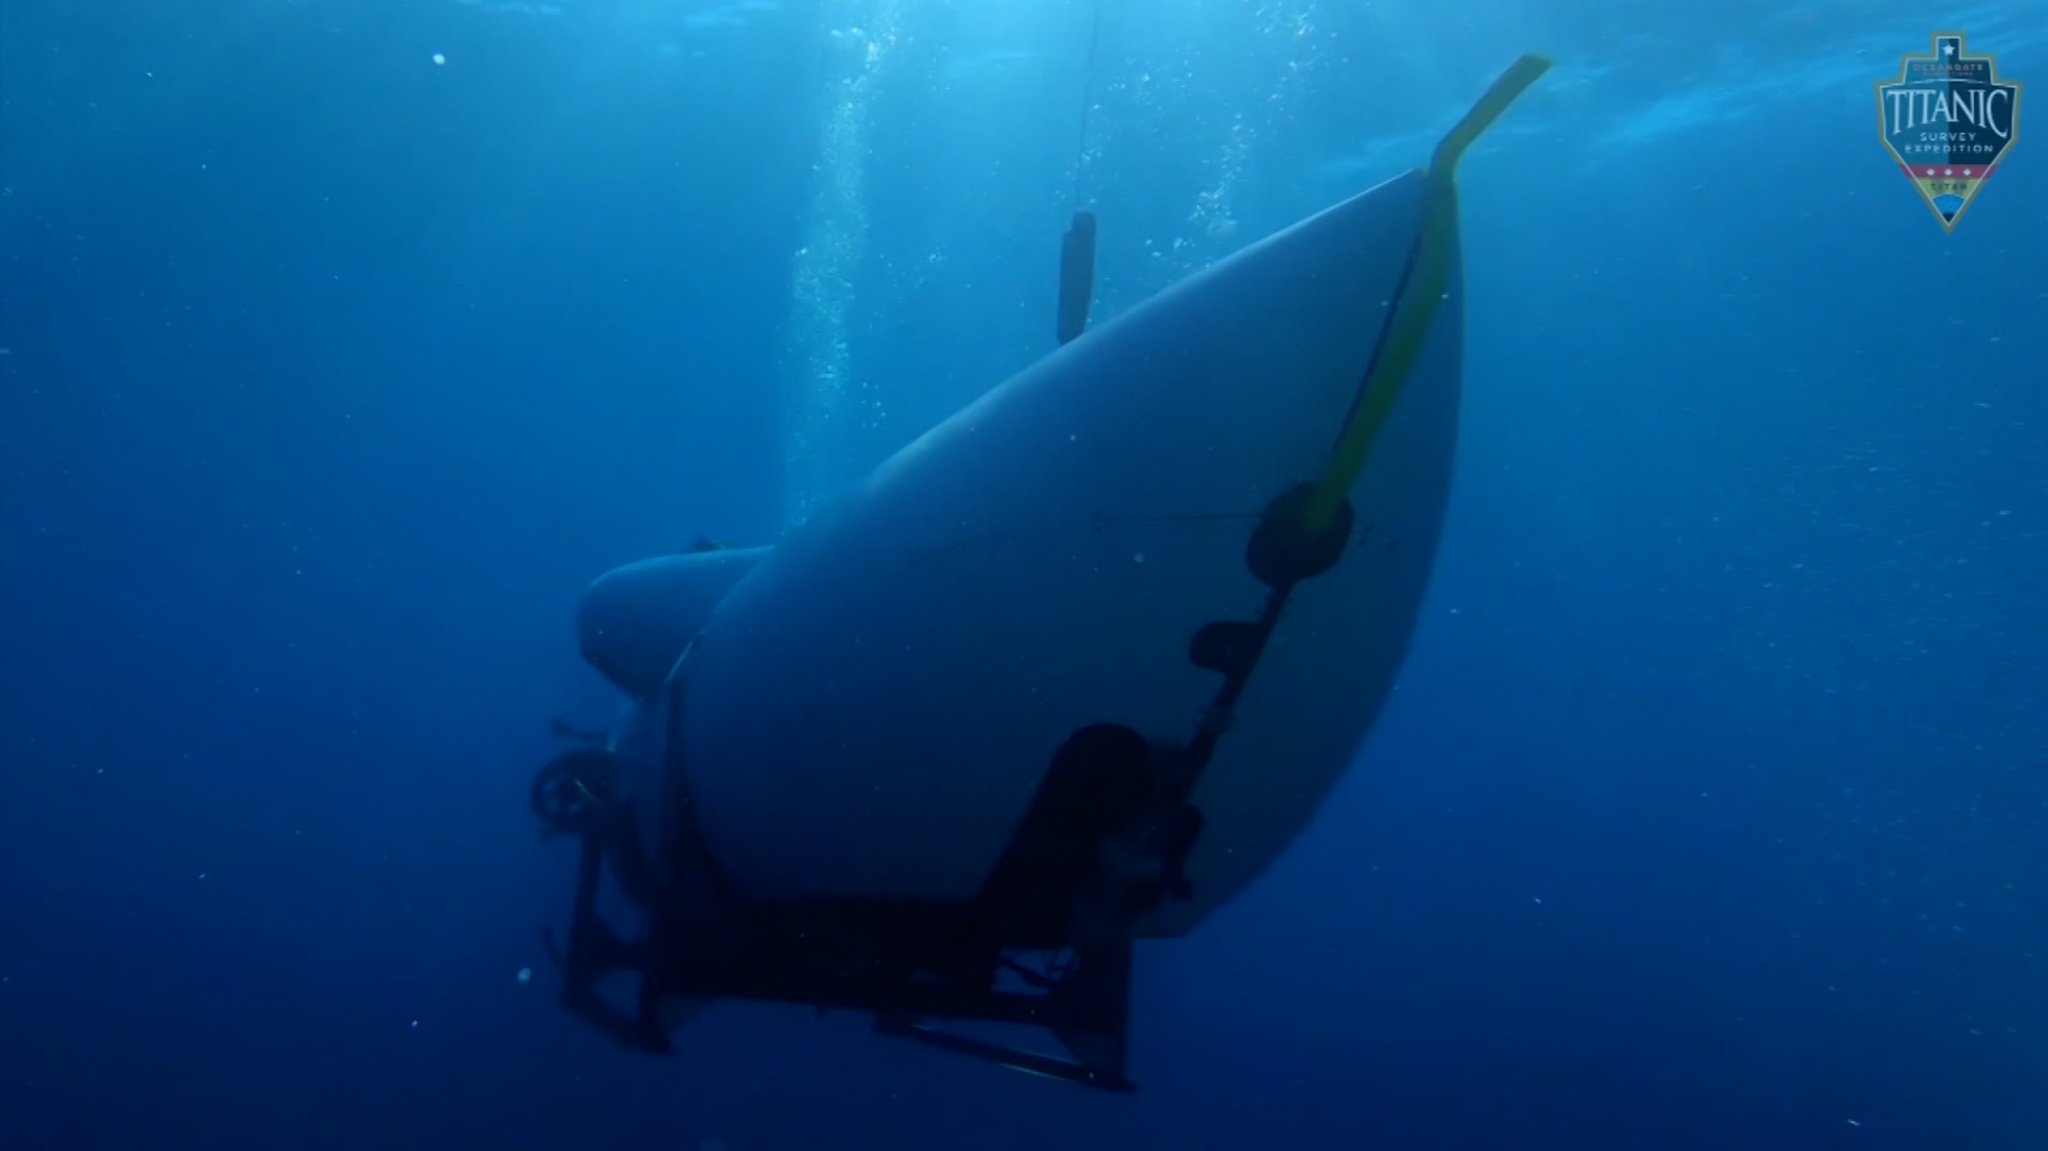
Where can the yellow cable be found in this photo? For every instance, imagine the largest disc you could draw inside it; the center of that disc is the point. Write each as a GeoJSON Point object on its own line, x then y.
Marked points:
{"type": "Point", "coordinates": [1418, 302]}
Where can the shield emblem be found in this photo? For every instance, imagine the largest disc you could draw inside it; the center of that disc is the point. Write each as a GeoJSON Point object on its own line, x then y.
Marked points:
{"type": "Point", "coordinates": [1949, 121]}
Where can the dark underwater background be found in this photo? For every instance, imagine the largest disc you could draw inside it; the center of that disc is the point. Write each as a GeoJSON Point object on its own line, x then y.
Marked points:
{"type": "Point", "coordinates": [1709, 811]}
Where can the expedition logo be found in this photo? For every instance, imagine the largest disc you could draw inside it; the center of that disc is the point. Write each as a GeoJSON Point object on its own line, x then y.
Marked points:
{"type": "Point", "coordinates": [1948, 120]}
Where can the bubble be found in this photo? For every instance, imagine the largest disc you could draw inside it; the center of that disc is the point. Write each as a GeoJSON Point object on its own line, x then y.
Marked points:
{"type": "Point", "coordinates": [526, 975]}
{"type": "Point", "coordinates": [439, 60]}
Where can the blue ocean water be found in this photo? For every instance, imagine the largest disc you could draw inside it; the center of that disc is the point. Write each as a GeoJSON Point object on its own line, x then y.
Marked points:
{"type": "Point", "coordinates": [345, 341]}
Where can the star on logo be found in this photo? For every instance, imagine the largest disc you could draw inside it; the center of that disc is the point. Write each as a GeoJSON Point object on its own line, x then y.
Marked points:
{"type": "Point", "coordinates": [1948, 49]}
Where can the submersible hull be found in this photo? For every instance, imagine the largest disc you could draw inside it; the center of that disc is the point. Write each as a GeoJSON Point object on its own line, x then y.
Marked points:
{"type": "Point", "coordinates": [871, 709]}
{"type": "Point", "coordinates": [1068, 671]}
